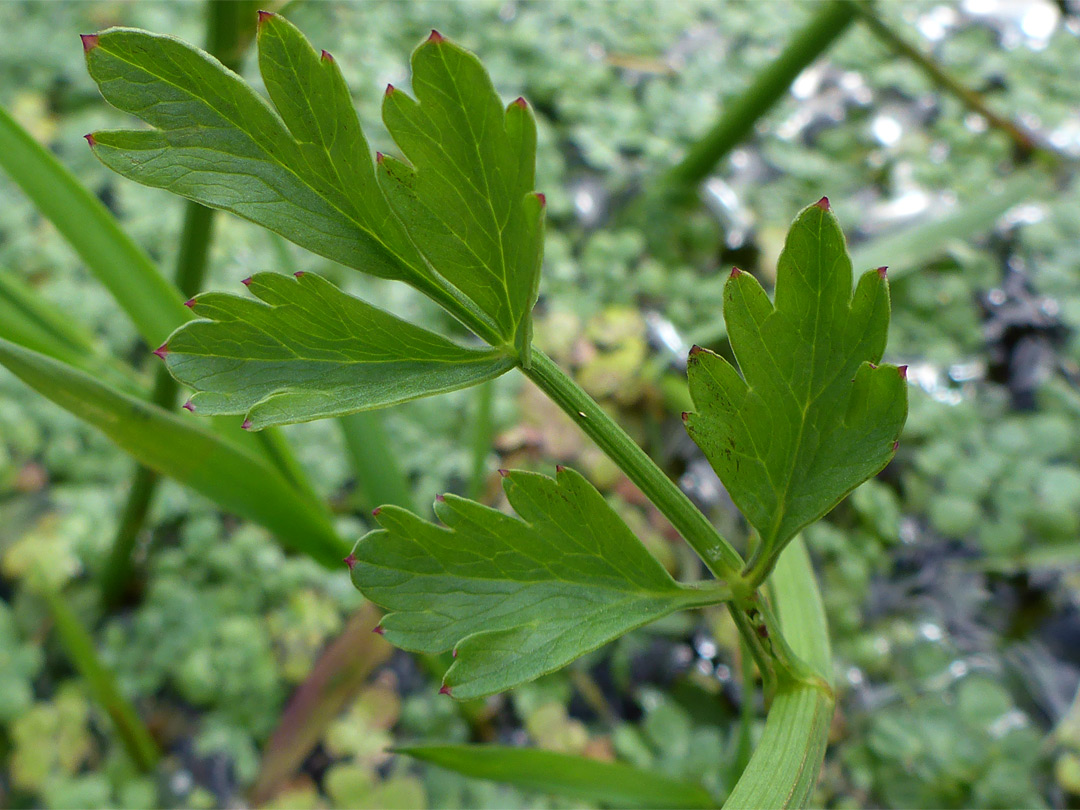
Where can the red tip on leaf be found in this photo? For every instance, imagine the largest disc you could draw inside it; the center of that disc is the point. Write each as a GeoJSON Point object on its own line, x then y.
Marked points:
{"type": "Point", "coordinates": [454, 652]}
{"type": "Point", "coordinates": [162, 350]}
{"type": "Point", "coordinates": [350, 560]}
{"type": "Point", "coordinates": [379, 156]}
{"type": "Point", "coordinates": [375, 511]}
{"type": "Point", "coordinates": [389, 90]}
{"type": "Point", "coordinates": [872, 365]}
{"type": "Point", "coordinates": [90, 139]}
{"type": "Point", "coordinates": [444, 690]}
{"type": "Point", "coordinates": [440, 498]}
{"type": "Point", "coordinates": [190, 303]}
{"type": "Point", "coordinates": [435, 36]}
{"type": "Point", "coordinates": [246, 281]}
{"type": "Point", "coordinates": [299, 274]}
{"type": "Point", "coordinates": [560, 468]}
{"type": "Point", "coordinates": [265, 15]}
{"type": "Point", "coordinates": [246, 425]}
{"type": "Point", "coordinates": [695, 350]}
{"type": "Point", "coordinates": [504, 473]}
{"type": "Point", "coordinates": [881, 271]}
{"type": "Point", "coordinates": [327, 57]}
{"type": "Point", "coordinates": [685, 415]}
{"type": "Point", "coordinates": [541, 198]}
{"type": "Point", "coordinates": [89, 42]}
{"type": "Point", "coordinates": [735, 272]}
{"type": "Point", "coordinates": [378, 630]}
{"type": "Point", "coordinates": [522, 103]}
{"type": "Point", "coordinates": [823, 203]}
{"type": "Point", "coordinates": [903, 372]}
{"type": "Point", "coordinates": [189, 406]}
{"type": "Point", "coordinates": [895, 445]}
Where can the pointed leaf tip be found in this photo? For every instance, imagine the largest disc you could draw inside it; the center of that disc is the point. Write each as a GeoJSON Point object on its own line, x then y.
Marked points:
{"type": "Point", "coordinates": [299, 274]}
{"type": "Point", "coordinates": [327, 57]}
{"type": "Point", "coordinates": [453, 652]}
{"type": "Point", "coordinates": [695, 350]}
{"type": "Point", "coordinates": [246, 281]}
{"type": "Point", "coordinates": [542, 198]}
{"type": "Point", "coordinates": [89, 42]}
{"type": "Point", "coordinates": [264, 15]}
{"type": "Point", "coordinates": [350, 561]}
{"type": "Point", "coordinates": [162, 351]}
{"type": "Point", "coordinates": [440, 498]}
{"type": "Point", "coordinates": [444, 690]}
{"type": "Point", "coordinates": [735, 272]}
{"type": "Point", "coordinates": [560, 468]}
{"type": "Point", "coordinates": [246, 425]}
{"type": "Point", "coordinates": [190, 303]}
{"type": "Point", "coordinates": [90, 139]}
{"type": "Point", "coordinates": [521, 102]}
{"type": "Point", "coordinates": [504, 473]}
{"type": "Point", "coordinates": [685, 415]}
{"type": "Point", "coordinates": [379, 157]}
{"type": "Point", "coordinates": [902, 370]}
{"type": "Point", "coordinates": [189, 406]}
{"type": "Point", "coordinates": [378, 630]}
{"type": "Point", "coordinates": [390, 90]}
{"type": "Point", "coordinates": [823, 204]}
{"type": "Point", "coordinates": [882, 271]}
{"type": "Point", "coordinates": [435, 36]}
{"type": "Point", "coordinates": [375, 511]}
{"type": "Point", "coordinates": [895, 445]}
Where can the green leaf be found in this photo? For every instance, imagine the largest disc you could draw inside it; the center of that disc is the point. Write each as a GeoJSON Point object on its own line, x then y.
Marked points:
{"type": "Point", "coordinates": [306, 350]}
{"type": "Point", "coordinates": [614, 784]}
{"type": "Point", "coordinates": [468, 200]}
{"type": "Point", "coordinates": [231, 476]}
{"type": "Point", "coordinates": [515, 598]}
{"type": "Point", "coordinates": [812, 415]}
{"type": "Point", "coordinates": [301, 168]}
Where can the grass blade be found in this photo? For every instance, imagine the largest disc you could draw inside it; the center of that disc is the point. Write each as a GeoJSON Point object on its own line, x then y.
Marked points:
{"type": "Point", "coordinates": [154, 306]}
{"type": "Point", "coordinates": [612, 783]}
{"type": "Point", "coordinates": [80, 649]}
{"type": "Point", "coordinates": [236, 479]}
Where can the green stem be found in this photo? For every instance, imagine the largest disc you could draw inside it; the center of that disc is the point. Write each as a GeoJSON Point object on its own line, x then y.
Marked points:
{"type": "Point", "coordinates": [482, 433]}
{"type": "Point", "coordinates": [719, 555]}
{"type": "Point", "coordinates": [1023, 141]}
{"type": "Point", "coordinates": [379, 476]}
{"type": "Point", "coordinates": [224, 37]}
{"type": "Point", "coordinates": [80, 649]}
{"type": "Point", "coordinates": [828, 23]}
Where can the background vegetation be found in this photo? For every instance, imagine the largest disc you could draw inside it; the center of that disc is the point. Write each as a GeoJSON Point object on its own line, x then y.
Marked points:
{"type": "Point", "coordinates": [952, 582]}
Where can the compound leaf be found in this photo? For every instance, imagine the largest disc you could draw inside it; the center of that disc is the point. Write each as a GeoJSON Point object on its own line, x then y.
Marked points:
{"type": "Point", "coordinates": [467, 199]}
{"type": "Point", "coordinates": [515, 597]}
{"type": "Point", "coordinates": [812, 415]}
{"type": "Point", "coordinates": [305, 350]}
{"type": "Point", "coordinates": [303, 168]}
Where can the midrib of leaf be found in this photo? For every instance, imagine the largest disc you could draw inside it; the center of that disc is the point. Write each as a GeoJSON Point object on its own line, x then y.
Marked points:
{"type": "Point", "coordinates": [464, 309]}
{"type": "Point", "coordinates": [500, 227]}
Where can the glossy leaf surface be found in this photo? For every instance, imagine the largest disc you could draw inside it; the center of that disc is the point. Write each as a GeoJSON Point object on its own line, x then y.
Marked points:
{"type": "Point", "coordinates": [515, 597]}
{"type": "Point", "coordinates": [305, 350]}
{"type": "Point", "coordinates": [614, 784]}
{"type": "Point", "coordinates": [812, 415]}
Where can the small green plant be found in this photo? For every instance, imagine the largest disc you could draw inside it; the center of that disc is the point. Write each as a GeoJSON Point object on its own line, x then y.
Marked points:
{"type": "Point", "coordinates": [807, 415]}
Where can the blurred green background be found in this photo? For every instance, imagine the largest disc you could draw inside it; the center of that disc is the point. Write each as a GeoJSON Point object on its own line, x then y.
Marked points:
{"type": "Point", "coordinates": [952, 581]}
